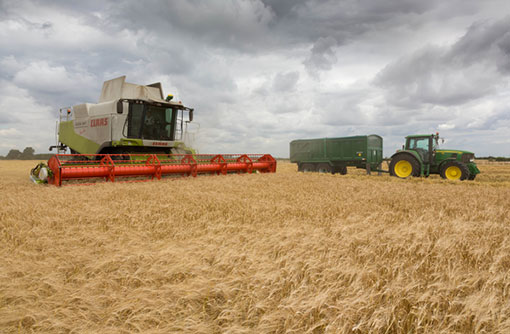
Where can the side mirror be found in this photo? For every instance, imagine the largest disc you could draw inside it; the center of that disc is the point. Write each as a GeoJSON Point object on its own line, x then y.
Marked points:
{"type": "Point", "coordinates": [191, 115]}
{"type": "Point", "coordinates": [120, 107]}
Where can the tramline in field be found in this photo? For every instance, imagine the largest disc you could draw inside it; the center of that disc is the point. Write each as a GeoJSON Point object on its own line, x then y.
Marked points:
{"type": "Point", "coordinates": [134, 132]}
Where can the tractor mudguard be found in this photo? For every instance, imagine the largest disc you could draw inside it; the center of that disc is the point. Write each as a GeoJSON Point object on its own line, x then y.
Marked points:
{"type": "Point", "coordinates": [412, 153]}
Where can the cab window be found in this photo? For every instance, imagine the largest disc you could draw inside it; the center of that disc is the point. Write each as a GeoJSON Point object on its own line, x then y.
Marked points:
{"type": "Point", "coordinates": [135, 120]}
{"type": "Point", "coordinates": [419, 143]}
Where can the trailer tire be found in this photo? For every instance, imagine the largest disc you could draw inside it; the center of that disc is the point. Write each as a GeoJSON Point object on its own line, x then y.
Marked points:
{"type": "Point", "coordinates": [403, 166]}
{"type": "Point", "coordinates": [343, 170]}
{"type": "Point", "coordinates": [306, 168]}
{"type": "Point", "coordinates": [324, 168]}
{"type": "Point", "coordinates": [454, 170]}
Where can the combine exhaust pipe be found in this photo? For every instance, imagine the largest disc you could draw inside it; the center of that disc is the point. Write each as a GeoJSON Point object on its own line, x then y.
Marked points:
{"type": "Point", "coordinates": [112, 167]}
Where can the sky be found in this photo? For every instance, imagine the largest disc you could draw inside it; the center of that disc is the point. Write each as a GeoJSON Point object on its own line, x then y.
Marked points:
{"type": "Point", "coordinates": [260, 73]}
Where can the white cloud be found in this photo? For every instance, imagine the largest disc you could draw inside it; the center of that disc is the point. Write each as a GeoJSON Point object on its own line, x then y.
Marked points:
{"type": "Point", "coordinates": [446, 126]}
{"type": "Point", "coordinates": [28, 122]}
{"type": "Point", "coordinates": [9, 132]}
{"type": "Point", "coordinates": [43, 77]}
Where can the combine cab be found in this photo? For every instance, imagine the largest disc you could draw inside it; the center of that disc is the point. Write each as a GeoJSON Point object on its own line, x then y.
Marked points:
{"type": "Point", "coordinates": [129, 118]}
{"type": "Point", "coordinates": [133, 132]}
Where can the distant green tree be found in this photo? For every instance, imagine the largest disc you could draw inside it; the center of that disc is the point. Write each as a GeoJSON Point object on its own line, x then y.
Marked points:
{"type": "Point", "coordinates": [13, 155]}
{"type": "Point", "coordinates": [42, 156]}
{"type": "Point", "coordinates": [28, 154]}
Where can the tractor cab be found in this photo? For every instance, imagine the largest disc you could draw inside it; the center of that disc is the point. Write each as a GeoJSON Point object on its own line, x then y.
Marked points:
{"type": "Point", "coordinates": [423, 145]}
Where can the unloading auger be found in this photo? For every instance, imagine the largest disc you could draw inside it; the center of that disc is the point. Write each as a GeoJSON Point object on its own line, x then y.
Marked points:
{"type": "Point", "coordinates": [134, 133]}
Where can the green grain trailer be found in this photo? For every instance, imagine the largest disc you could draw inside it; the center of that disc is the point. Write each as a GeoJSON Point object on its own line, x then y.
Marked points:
{"type": "Point", "coordinates": [333, 155]}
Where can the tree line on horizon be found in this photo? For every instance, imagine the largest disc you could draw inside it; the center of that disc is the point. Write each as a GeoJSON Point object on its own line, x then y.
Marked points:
{"type": "Point", "coordinates": [27, 154]}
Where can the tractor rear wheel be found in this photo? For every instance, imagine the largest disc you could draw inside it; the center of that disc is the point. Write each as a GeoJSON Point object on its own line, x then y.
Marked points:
{"type": "Point", "coordinates": [306, 168]}
{"type": "Point", "coordinates": [403, 166]}
{"type": "Point", "coordinates": [454, 170]}
{"type": "Point", "coordinates": [324, 168]}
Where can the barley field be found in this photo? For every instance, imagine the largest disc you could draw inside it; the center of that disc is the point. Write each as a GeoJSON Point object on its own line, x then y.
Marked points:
{"type": "Point", "coordinates": [261, 253]}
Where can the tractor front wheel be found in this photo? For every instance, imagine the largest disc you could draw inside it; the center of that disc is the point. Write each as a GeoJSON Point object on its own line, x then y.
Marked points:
{"type": "Point", "coordinates": [454, 170]}
{"type": "Point", "coordinates": [404, 166]}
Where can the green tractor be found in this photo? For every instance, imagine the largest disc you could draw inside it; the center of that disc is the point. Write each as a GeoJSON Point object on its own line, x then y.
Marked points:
{"type": "Point", "coordinates": [422, 157]}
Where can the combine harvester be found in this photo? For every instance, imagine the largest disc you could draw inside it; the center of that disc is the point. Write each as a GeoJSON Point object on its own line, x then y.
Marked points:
{"type": "Point", "coordinates": [133, 132]}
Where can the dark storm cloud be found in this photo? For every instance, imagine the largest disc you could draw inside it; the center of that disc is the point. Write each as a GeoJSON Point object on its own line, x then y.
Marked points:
{"type": "Point", "coordinates": [237, 25]}
{"type": "Point", "coordinates": [268, 25]}
{"type": "Point", "coordinates": [263, 26]}
{"type": "Point", "coordinates": [473, 67]}
{"type": "Point", "coordinates": [344, 20]}
{"type": "Point", "coordinates": [322, 56]}
{"type": "Point", "coordinates": [285, 82]}
{"type": "Point", "coordinates": [4, 10]}
{"type": "Point", "coordinates": [480, 40]}
{"type": "Point", "coordinates": [257, 26]}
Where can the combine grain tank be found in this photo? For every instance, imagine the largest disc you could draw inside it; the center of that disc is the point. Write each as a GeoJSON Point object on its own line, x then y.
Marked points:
{"type": "Point", "coordinates": [334, 155]}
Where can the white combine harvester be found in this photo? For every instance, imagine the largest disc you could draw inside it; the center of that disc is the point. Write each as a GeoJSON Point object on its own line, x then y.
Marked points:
{"type": "Point", "coordinates": [134, 131]}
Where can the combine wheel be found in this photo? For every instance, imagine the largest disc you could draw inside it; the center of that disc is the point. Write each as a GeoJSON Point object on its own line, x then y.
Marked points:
{"type": "Point", "coordinates": [307, 168]}
{"type": "Point", "coordinates": [404, 166]}
{"type": "Point", "coordinates": [454, 170]}
{"type": "Point", "coordinates": [324, 168]}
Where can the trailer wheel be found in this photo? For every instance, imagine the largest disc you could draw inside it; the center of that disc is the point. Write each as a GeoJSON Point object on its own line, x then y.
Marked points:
{"type": "Point", "coordinates": [324, 168]}
{"type": "Point", "coordinates": [454, 170]}
{"type": "Point", "coordinates": [404, 166]}
{"type": "Point", "coordinates": [343, 170]}
{"type": "Point", "coordinates": [306, 168]}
